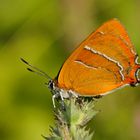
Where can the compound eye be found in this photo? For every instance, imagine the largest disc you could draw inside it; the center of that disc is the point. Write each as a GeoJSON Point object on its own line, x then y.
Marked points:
{"type": "Point", "coordinates": [51, 85]}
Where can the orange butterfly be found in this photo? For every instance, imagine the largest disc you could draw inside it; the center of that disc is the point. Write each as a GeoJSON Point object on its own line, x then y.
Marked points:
{"type": "Point", "coordinates": [105, 61]}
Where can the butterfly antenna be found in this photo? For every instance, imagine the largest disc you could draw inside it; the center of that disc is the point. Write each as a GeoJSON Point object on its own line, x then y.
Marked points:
{"type": "Point", "coordinates": [35, 69]}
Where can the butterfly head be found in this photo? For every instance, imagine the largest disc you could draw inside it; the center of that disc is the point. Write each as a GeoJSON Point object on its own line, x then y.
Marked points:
{"type": "Point", "coordinates": [51, 85]}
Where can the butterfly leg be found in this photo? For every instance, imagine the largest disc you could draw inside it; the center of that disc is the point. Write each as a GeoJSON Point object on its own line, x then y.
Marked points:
{"type": "Point", "coordinates": [54, 97]}
{"type": "Point", "coordinates": [97, 96]}
{"type": "Point", "coordinates": [53, 100]}
{"type": "Point", "coordinates": [62, 100]}
{"type": "Point", "coordinates": [57, 95]}
{"type": "Point", "coordinates": [73, 94]}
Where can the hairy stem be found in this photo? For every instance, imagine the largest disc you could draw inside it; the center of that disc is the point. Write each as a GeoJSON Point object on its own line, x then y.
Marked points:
{"type": "Point", "coordinates": [71, 122]}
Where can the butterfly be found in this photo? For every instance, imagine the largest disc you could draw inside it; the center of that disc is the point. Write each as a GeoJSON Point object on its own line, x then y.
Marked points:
{"type": "Point", "coordinates": [105, 61]}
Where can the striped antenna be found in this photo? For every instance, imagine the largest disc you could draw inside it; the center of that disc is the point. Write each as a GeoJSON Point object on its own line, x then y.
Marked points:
{"type": "Point", "coordinates": [35, 70]}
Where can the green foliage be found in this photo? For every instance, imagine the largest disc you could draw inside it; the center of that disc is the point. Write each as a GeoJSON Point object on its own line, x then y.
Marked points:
{"type": "Point", "coordinates": [71, 122]}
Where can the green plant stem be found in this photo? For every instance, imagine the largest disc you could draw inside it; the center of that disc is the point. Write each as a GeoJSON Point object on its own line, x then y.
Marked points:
{"type": "Point", "coordinates": [71, 123]}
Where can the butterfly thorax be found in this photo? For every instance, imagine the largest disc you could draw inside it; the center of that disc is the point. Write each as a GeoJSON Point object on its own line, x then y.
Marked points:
{"type": "Point", "coordinates": [58, 92]}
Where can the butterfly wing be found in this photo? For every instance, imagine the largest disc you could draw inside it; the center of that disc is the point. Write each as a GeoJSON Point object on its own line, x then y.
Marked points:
{"type": "Point", "coordinates": [101, 63]}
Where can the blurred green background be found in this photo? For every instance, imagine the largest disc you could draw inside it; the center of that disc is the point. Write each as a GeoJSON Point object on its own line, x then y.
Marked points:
{"type": "Point", "coordinates": [44, 32]}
